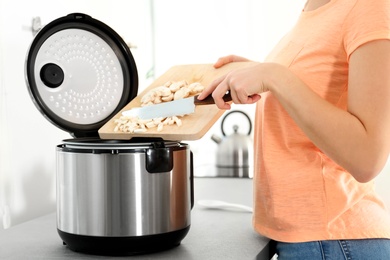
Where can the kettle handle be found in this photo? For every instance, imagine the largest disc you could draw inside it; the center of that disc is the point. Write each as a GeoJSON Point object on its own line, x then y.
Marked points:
{"type": "Point", "coordinates": [236, 111]}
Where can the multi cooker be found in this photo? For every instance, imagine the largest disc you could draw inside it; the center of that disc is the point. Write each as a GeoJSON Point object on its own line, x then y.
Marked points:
{"type": "Point", "coordinates": [114, 197]}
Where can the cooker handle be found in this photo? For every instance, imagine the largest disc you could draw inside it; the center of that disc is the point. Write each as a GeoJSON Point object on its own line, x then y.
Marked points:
{"type": "Point", "coordinates": [192, 178]}
{"type": "Point", "coordinates": [159, 158]}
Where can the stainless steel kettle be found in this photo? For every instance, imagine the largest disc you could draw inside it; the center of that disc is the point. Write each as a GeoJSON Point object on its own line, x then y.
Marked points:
{"type": "Point", "coordinates": [235, 152]}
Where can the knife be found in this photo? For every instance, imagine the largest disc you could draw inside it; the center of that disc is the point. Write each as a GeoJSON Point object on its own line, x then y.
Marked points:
{"type": "Point", "coordinates": [178, 107]}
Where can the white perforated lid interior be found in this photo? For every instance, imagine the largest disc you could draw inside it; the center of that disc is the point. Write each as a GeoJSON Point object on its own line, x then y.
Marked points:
{"type": "Point", "coordinates": [92, 77]}
{"type": "Point", "coordinates": [80, 73]}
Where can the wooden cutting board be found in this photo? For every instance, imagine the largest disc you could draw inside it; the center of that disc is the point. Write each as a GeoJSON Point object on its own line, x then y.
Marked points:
{"type": "Point", "coordinates": [195, 125]}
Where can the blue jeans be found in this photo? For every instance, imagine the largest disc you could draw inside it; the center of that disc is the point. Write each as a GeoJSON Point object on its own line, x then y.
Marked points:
{"type": "Point", "coordinates": [362, 249]}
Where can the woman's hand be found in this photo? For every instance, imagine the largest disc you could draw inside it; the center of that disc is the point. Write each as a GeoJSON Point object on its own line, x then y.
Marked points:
{"type": "Point", "coordinates": [244, 85]}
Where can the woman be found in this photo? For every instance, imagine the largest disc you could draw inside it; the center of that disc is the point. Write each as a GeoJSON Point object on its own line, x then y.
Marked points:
{"type": "Point", "coordinates": [322, 131]}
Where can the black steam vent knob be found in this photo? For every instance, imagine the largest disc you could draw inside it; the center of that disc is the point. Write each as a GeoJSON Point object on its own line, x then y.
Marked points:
{"type": "Point", "coordinates": [52, 75]}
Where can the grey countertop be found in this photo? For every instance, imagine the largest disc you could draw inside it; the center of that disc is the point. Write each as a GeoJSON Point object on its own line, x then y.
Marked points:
{"type": "Point", "coordinates": [214, 234]}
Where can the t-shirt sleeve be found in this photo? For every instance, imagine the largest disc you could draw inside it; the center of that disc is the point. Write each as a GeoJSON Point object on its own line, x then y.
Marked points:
{"type": "Point", "coordinates": [368, 21]}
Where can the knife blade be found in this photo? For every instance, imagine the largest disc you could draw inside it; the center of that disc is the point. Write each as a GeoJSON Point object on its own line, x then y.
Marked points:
{"type": "Point", "coordinates": [178, 107]}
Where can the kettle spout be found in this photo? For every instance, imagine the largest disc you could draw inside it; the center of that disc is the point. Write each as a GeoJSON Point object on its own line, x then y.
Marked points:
{"type": "Point", "coordinates": [216, 139]}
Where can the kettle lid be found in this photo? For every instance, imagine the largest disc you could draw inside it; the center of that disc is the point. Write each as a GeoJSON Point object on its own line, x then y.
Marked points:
{"type": "Point", "coordinates": [236, 127]}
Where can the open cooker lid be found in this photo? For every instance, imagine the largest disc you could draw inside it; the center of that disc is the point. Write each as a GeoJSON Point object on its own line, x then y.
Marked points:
{"type": "Point", "coordinates": [80, 73]}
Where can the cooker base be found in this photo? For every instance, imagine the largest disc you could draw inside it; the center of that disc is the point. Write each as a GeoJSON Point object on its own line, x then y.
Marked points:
{"type": "Point", "coordinates": [116, 246]}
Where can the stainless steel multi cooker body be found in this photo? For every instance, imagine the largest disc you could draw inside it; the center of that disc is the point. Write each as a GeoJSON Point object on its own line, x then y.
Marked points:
{"type": "Point", "coordinates": [114, 197]}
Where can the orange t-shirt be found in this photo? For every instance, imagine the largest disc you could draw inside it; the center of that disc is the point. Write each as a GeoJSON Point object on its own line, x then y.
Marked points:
{"type": "Point", "coordinates": [301, 194]}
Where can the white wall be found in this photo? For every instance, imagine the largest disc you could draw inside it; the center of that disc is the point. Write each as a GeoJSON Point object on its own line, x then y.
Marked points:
{"type": "Point", "coordinates": [185, 31]}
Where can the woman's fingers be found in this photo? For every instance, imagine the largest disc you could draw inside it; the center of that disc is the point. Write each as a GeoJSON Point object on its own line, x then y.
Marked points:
{"type": "Point", "coordinates": [228, 59]}
{"type": "Point", "coordinates": [209, 89]}
{"type": "Point", "coordinates": [221, 88]}
{"type": "Point", "coordinates": [242, 84]}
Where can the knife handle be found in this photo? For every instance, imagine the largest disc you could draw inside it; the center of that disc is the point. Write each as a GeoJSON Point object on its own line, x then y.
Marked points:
{"type": "Point", "coordinates": [210, 101]}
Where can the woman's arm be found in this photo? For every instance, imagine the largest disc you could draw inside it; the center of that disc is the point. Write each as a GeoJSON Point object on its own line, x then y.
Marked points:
{"type": "Point", "coordinates": [357, 139]}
